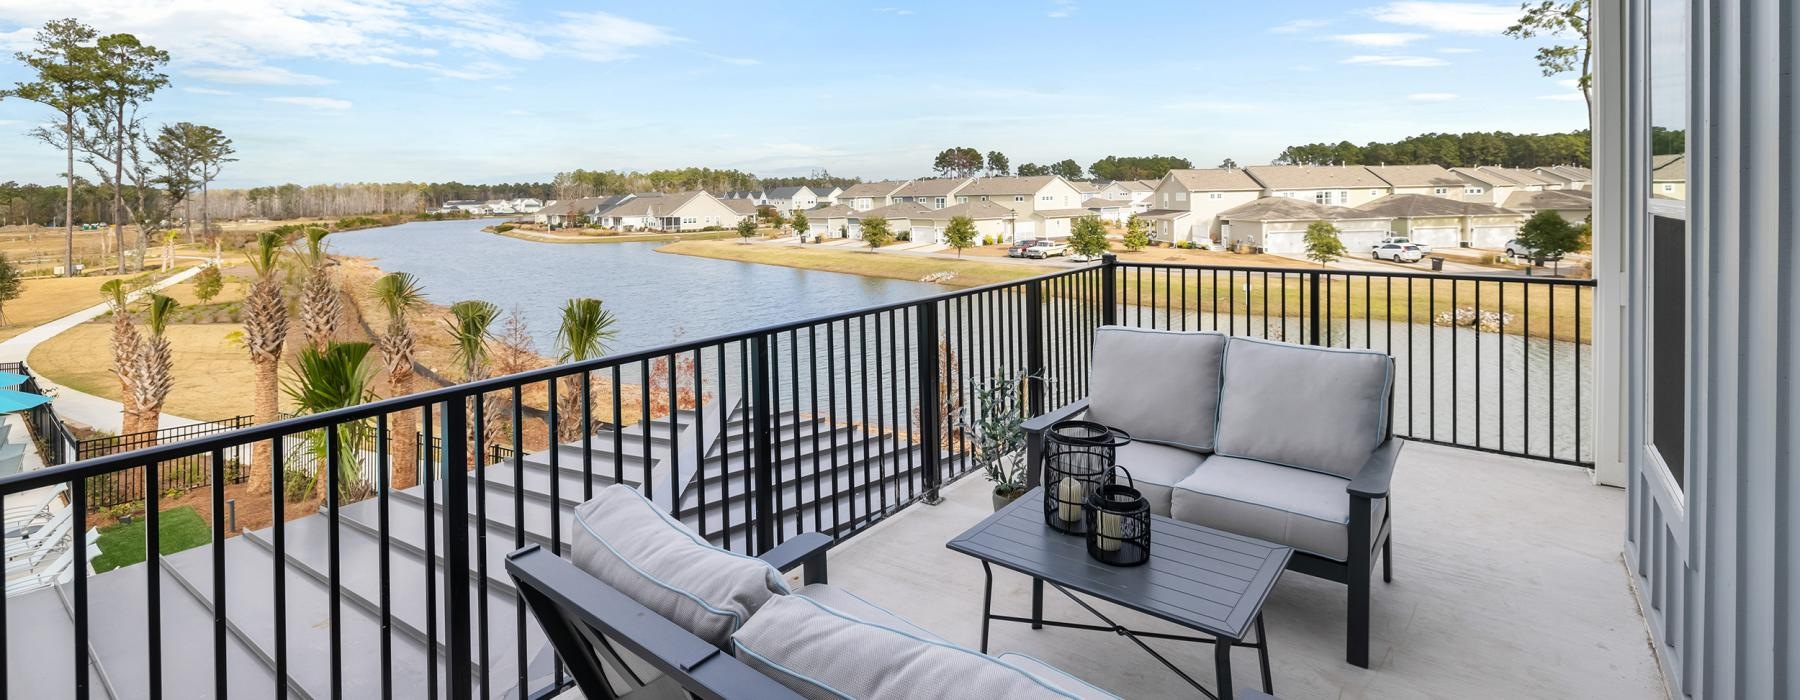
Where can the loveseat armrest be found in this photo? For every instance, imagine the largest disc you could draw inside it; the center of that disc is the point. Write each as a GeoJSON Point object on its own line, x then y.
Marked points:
{"type": "Point", "coordinates": [1372, 480]}
{"type": "Point", "coordinates": [805, 550]}
{"type": "Point", "coordinates": [1035, 428]}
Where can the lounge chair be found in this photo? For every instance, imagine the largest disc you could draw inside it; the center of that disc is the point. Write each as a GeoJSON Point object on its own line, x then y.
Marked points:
{"type": "Point", "coordinates": [27, 518]}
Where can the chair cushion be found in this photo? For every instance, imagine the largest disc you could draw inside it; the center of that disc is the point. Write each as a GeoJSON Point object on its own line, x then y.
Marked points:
{"type": "Point", "coordinates": [1155, 469]}
{"type": "Point", "coordinates": [628, 543]}
{"type": "Point", "coordinates": [1302, 509]}
{"type": "Point", "coordinates": [1321, 409]}
{"type": "Point", "coordinates": [822, 653]}
{"type": "Point", "coordinates": [1160, 386]}
{"type": "Point", "coordinates": [855, 606]}
{"type": "Point", "coordinates": [1062, 679]}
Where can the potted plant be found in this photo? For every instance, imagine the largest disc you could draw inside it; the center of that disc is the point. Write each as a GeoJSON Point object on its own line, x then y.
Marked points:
{"type": "Point", "coordinates": [995, 421]}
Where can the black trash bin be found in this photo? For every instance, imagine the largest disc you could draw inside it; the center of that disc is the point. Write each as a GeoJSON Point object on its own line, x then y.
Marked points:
{"type": "Point", "coordinates": [1437, 263]}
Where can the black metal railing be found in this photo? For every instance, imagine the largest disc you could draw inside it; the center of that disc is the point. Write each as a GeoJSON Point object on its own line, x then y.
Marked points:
{"type": "Point", "coordinates": [824, 425]}
{"type": "Point", "coordinates": [174, 476]}
{"type": "Point", "coordinates": [56, 445]}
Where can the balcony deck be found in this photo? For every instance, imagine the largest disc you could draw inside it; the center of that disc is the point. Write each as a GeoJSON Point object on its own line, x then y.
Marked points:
{"type": "Point", "coordinates": [1508, 582]}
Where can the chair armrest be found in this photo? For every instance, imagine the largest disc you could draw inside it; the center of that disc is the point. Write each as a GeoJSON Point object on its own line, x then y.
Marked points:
{"type": "Point", "coordinates": [1372, 480]}
{"type": "Point", "coordinates": [1042, 423]}
{"type": "Point", "coordinates": [806, 550]}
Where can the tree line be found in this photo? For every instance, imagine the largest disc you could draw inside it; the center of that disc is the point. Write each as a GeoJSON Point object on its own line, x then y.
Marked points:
{"type": "Point", "coordinates": [1450, 150]}
{"type": "Point", "coordinates": [964, 161]}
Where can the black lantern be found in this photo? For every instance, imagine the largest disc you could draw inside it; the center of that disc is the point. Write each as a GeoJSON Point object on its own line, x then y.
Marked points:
{"type": "Point", "coordinates": [1117, 517]}
{"type": "Point", "coordinates": [1077, 456]}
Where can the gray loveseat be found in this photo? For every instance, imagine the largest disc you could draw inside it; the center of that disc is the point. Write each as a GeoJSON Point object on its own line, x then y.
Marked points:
{"type": "Point", "coordinates": [1287, 443]}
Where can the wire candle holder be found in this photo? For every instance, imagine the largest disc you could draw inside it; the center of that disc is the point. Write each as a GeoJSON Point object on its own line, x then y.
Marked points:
{"type": "Point", "coordinates": [1117, 517]}
{"type": "Point", "coordinates": [1077, 460]}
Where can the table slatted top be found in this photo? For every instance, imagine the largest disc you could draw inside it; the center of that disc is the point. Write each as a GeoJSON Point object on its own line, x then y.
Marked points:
{"type": "Point", "coordinates": [1197, 577]}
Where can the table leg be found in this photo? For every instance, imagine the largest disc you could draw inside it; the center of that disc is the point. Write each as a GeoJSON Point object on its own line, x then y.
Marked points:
{"type": "Point", "coordinates": [987, 604]}
{"type": "Point", "coordinates": [1037, 603]}
{"type": "Point", "coordinates": [1222, 665]}
{"type": "Point", "coordinates": [1262, 650]}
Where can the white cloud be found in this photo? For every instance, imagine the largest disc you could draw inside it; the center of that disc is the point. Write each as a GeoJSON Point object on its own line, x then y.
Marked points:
{"type": "Point", "coordinates": [1457, 50]}
{"type": "Point", "coordinates": [1458, 17]}
{"type": "Point", "coordinates": [600, 36]}
{"type": "Point", "coordinates": [1432, 96]}
{"type": "Point", "coordinates": [1381, 39]}
{"type": "Point", "coordinates": [896, 11]}
{"type": "Point", "coordinates": [1397, 61]}
{"type": "Point", "coordinates": [319, 103]}
{"type": "Point", "coordinates": [18, 40]}
{"type": "Point", "coordinates": [257, 75]}
{"type": "Point", "coordinates": [207, 91]}
{"type": "Point", "coordinates": [1297, 26]}
{"type": "Point", "coordinates": [1060, 9]}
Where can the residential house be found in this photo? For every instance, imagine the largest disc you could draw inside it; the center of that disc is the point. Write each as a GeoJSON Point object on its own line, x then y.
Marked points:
{"type": "Point", "coordinates": [826, 195]}
{"type": "Point", "coordinates": [1445, 223]}
{"type": "Point", "coordinates": [743, 206]}
{"type": "Point", "coordinates": [830, 222]}
{"type": "Point", "coordinates": [1574, 205]}
{"type": "Point", "coordinates": [933, 193]}
{"type": "Point", "coordinates": [1089, 189]}
{"type": "Point", "coordinates": [693, 211]}
{"type": "Point", "coordinates": [1137, 192]}
{"type": "Point", "coordinates": [1668, 176]}
{"type": "Point", "coordinates": [1500, 183]}
{"type": "Point", "coordinates": [576, 212]}
{"type": "Point", "coordinates": [898, 215]}
{"type": "Point", "coordinates": [1045, 205]}
{"type": "Point", "coordinates": [992, 221]}
{"type": "Point", "coordinates": [869, 195]}
{"type": "Point", "coordinates": [1185, 204]}
{"type": "Point", "coordinates": [1278, 225]}
{"type": "Point", "coordinates": [527, 205]}
{"type": "Point", "coordinates": [787, 200]}
{"type": "Point", "coordinates": [1572, 177]}
{"type": "Point", "coordinates": [757, 197]}
{"type": "Point", "coordinates": [1339, 185]}
{"type": "Point", "coordinates": [1433, 180]}
{"type": "Point", "coordinates": [1116, 211]}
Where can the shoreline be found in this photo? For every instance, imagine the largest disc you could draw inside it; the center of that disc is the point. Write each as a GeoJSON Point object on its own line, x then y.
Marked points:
{"type": "Point", "coordinates": [966, 272]}
{"type": "Point", "coordinates": [537, 237]}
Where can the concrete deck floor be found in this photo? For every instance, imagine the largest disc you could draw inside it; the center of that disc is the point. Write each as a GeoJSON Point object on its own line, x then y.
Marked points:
{"type": "Point", "coordinates": [1508, 582]}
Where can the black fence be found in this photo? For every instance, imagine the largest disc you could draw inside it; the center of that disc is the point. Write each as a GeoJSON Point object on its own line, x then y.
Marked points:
{"type": "Point", "coordinates": [56, 445]}
{"type": "Point", "coordinates": [173, 476]}
{"type": "Point", "coordinates": [823, 425]}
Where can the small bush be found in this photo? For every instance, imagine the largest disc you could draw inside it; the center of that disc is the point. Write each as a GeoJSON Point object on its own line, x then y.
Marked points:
{"type": "Point", "coordinates": [503, 228]}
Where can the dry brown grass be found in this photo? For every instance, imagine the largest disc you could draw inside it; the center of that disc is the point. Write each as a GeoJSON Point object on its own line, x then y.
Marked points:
{"type": "Point", "coordinates": [212, 370]}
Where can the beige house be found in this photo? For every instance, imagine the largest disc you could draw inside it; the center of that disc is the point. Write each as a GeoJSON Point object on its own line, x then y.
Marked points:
{"type": "Point", "coordinates": [1574, 205]}
{"type": "Point", "coordinates": [744, 207]}
{"type": "Point", "coordinates": [682, 211]}
{"type": "Point", "coordinates": [933, 193]}
{"type": "Point", "coordinates": [1572, 177]}
{"type": "Point", "coordinates": [1668, 176]}
{"type": "Point", "coordinates": [869, 195]}
{"type": "Point", "coordinates": [826, 195]}
{"type": "Point", "coordinates": [1444, 223]}
{"type": "Point", "coordinates": [1337, 185]}
{"type": "Point", "coordinates": [898, 215]}
{"type": "Point", "coordinates": [1501, 183]}
{"type": "Point", "coordinates": [1433, 180]}
{"type": "Point", "coordinates": [992, 222]}
{"type": "Point", "coordinates": [787, 200]}
{"type": "Point", "coordinates": [830, 222]}
{"type": "Point", "coordinates": [1114, 211]}
{"type": "Point", "coordinates": [1278, 225]}
{"type": "Point", "coordinates": [1185, 204]}
{"type": "Point", "coordinates": [1027, 197]}
{"type": "Point", "coordinates": [1136, 192]}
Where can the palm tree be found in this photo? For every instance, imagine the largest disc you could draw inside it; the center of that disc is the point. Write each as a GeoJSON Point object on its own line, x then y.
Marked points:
{"type": "Point", "coordinates": [125, 343]}
{"type": "Point", "coordinates": [340, 375]}
{"type": "Point", "coordinates": [400, 295]}
{"type": "Point", "coordinates": [470, 326]}
{"type": "Point", "coordinates": [587, 328]}
{"type": "Point", "coordinates": [265, 333]}
{"type": "Point", "coordinates": [320, 305]}
{"type": "Point", "coordinates": [153, 368]}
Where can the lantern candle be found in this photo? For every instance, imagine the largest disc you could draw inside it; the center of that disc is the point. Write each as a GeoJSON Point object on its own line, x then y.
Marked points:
{"type": "Point", "coordinates": [1070, 494]}
{"type": "Point", "coordinates": [1111, 531]}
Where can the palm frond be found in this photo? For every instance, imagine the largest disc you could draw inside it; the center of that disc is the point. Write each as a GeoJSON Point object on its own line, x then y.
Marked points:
{"type": "Point", "coordinates": [399, 293]}
{"type": "Point", "coordinates": [265, 253]}
{"type": "Point", "coordinates": [586, 331]}
{"type": "Point", "coordinates": [161, 307]}
{"type": "Point", "coordinates": [469, 327]}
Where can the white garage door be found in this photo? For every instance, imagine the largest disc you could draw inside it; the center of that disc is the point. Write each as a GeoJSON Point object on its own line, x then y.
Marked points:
{"type": "Point", "coordinates": [1438, 237]}
{"type": "Point", "coordinates": [1290, 242]}
{"type": "Point", "coordinates": [1492, 236]}
{"type": "Point", "coordinates": [1360, 241]}
{"type": "Point", "coordinates": [924, 234]}
{"type": "Point", "coordinates": [1025, 229]}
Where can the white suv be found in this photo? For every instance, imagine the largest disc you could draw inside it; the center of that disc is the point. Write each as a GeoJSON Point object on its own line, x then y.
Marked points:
{"type": "Point", "coordinates": [1399, 252]}
{"type": "Point", "coordinates": [1402, 240]}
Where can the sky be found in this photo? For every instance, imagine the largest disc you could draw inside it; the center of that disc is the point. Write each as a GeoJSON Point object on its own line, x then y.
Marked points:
{"type": "Point", "coordinates": [486, 91]}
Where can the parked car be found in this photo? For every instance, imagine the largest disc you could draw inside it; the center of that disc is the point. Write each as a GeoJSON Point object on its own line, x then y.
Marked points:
{"type": "Point", "coordinates": [1402, 240]}
{"type": "Point", "coordinates": [1017, 249]}
{"type": "Point", "coordinates": [1045, 248]}
{"type": "Point", "coordinates": [1516, 249]}
{"type": "Point", "coordinates": [1399, 252]}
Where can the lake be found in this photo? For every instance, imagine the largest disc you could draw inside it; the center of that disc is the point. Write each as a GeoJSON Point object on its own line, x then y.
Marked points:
{"type": "Point", "coordinates": [657, 297]}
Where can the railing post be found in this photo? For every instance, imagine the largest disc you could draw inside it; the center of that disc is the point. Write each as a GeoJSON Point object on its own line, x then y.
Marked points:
{"type": "Point", "coordinates": [763, 458]}
{"type": "Point", "coordinates": [1312, 308]}
{"type": "Point", "coordinates": [1109, 289]}
{"type": "Point", "coordinates": [454, 459]}
{"type": "Point", "coordinates": [1034, 347]}
{"type": "Point", "coordinates": [930, 404]}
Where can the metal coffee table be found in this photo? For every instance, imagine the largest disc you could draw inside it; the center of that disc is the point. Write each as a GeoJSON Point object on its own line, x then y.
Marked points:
{"type": "Point", "coordinates": [1209, 581]}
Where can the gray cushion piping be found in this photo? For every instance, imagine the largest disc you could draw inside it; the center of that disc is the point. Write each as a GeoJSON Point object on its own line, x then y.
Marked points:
{"type": "Point", "coordinates": [1387, 387]}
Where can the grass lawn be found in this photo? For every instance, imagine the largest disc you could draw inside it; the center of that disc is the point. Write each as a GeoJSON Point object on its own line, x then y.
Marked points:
{"type": "Point", "coordinates": [47, 299]}
{"type": "Point", "coordinates": [123, 544]}
{"type": "Point", "coordinates": [969, 272]}
{"type": "Point", "coordinates": [213, 375]}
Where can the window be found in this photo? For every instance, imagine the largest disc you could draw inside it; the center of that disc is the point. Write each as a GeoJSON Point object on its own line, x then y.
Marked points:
{"type": "Point", "coordinates": [1180, 196]}
{"type": "Point", "coordinates": [1321, 197]}
{"type": "Point", "coordinates": [1044, 198]}
{"type": "Point", "coordinates": [1471, 190]}
{"type": "Point", "coordinates": [1215, 195]}
{"type": "Point", "coordinates": [962, 200]}
{"type": "Point", "coordinates": [1165, 198]}
{"type": "Point", "coordinates": [1441, 191]}
{"type": "Point", "coordinates": [1668, 187]}
{"type": "Point", "coordinates": [1343, 196]}
{"type": "Point", "coordinates": [1374, 193]}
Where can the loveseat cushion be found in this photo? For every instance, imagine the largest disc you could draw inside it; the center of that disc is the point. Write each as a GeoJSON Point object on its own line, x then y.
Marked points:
{"type": "Point", "coordinates": [628, 543]}
{"type": "Point", "coordinates": [822, 653]}
{"type": "Point", "coordinates": [1062, 679]}
{"type": "Point", "coordinates": [1160, 386]}
{"type": "Point", "coordinates": [1322, 409]}
{"type": "Point", "coordinates": [859, 608]}
{"type": "Point", "coordinates": [1156, 469]}
{"type": "Point", "coordinates": [1302, 509]}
